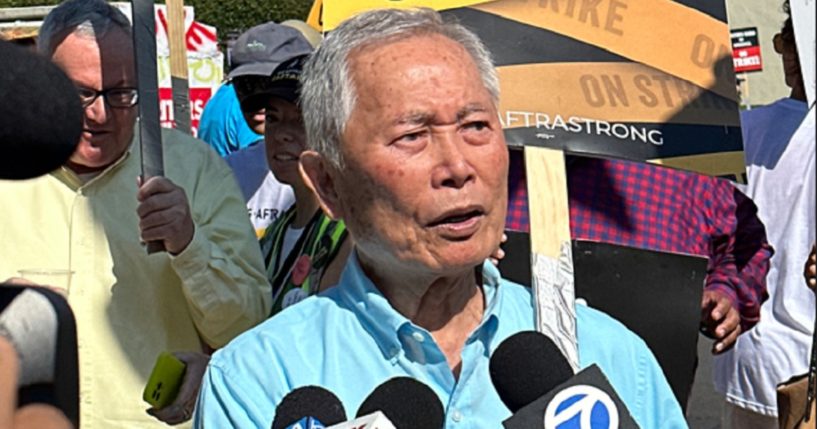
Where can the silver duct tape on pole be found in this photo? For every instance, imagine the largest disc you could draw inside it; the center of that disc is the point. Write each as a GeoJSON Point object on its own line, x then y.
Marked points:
{"type": "Point", "coordinates": [150, 132]}
{"type": "Point", "coordinates": [555, 300]}
{"type": "Point", "coordinates": [181, 104]}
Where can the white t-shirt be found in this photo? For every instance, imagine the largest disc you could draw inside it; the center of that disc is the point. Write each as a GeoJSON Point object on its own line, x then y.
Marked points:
{"type": "Point", "coordinates": [291, 237]}
{"type": "Point", "coordinates": [781, 181]}
{"type": "Point", "coordinates": [266, 197]}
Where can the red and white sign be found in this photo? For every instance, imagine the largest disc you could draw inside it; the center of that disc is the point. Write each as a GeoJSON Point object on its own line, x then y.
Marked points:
{"type": "Point", "coordinates": [198, 98]}
{"type": "Point", "coordinates": [746, 50]}
{"type": "Point", "coordinates": [205, 63]}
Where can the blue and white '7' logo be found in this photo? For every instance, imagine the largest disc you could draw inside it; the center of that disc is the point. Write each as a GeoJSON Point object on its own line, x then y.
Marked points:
{"type": "Point", "coordinates": [581, 407]}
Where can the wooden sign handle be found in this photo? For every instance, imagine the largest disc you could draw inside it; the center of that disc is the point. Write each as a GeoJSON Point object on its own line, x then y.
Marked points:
{"type": "Point", "coordinates": [178, 65]}
{"type": "Point", "coordinates": [551, 259]}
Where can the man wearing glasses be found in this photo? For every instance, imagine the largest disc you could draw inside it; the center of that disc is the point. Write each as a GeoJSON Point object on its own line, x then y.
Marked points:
{"type": "Point", "coordinates": [91, 217]}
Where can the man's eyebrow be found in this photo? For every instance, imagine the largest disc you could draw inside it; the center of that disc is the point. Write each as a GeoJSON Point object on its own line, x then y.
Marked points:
{"type": "Point", "coordinates": [122, 82]}
{"type": "Point", "coordinates": [417, 118]}
{"type": "Point", "coordinates": [413, 118]}
{"type": "Point", "coordinates": [469, 109]}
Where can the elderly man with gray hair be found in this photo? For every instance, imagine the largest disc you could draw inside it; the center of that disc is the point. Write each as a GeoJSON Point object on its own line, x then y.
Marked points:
{"type": "Point", "coordinates": [90, 218]}
{"type": "Point", "coordinates": [406, 147]}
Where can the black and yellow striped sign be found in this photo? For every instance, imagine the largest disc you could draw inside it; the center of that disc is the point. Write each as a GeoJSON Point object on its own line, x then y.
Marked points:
{"type": "Point", "coordinates": [648, 80]}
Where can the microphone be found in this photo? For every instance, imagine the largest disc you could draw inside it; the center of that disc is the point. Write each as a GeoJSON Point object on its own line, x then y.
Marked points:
{"type": "Point", "coordinates": [308, 405]}
{"type": "Point", "coordinates": [406, 404]}
{"type": "Point", "coordinates": [40, 116]}
{"type": "Point", "coordinates": [536, 383]}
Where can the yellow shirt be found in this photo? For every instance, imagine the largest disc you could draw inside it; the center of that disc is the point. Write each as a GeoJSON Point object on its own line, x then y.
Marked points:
{"type": "Point", "coordinates": [130, 306]}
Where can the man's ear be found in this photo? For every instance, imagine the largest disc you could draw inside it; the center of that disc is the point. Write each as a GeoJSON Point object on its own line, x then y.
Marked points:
{"type": "Point", "coordinates": [318, 175]}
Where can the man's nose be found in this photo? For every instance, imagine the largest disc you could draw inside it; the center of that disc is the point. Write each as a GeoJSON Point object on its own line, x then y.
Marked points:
{"type": "Point", "coordinates": [452, 167]}
{"type": "Point", "coordinates": [282, 134]}
{"type": "Point", "coordinates": [97, 111]}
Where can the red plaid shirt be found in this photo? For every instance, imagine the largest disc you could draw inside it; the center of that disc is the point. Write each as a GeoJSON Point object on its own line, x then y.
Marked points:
{"type": "Point", "coordinates": [650, 207]}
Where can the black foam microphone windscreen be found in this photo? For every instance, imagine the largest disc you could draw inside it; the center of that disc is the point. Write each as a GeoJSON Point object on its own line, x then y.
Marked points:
{"type": "Point", "coordinates": [40, 114]}
{"type": "Point", "coordinates": [309, 401]}
{"type": "Point", "coordinates": [526, 366]}
{"type": "Point", "coordinates": [407, 403]}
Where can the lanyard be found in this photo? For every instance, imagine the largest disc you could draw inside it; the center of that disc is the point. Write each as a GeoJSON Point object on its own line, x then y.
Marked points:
{"type": "Point", "coordinates": [306, 263]}
{"type": "Point", "coordinates": [276, 238]}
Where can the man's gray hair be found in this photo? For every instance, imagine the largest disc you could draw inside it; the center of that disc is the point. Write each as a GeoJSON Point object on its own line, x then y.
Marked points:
{"type": "Point", "coordinates": [328, 94]}
{"type": "Point", "coordinates": [92, 18]}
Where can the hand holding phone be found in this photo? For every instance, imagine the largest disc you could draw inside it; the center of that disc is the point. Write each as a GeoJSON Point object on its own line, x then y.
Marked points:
{"type": "Point", "coordinates": [181, 408]}
{"type": "Point", "coordinates": [165, 379]}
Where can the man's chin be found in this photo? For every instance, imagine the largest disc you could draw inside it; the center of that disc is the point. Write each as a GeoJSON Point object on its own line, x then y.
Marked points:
{"type": "Point", "coordinates": [82, 169]}
{"type": "Point", "coordinates": [84, 162]}
{"type": "Point", "coordinates": [460, 261]}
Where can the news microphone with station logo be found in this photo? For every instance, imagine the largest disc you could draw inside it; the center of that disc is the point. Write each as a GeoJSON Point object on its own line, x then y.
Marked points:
{"type": "Point", "coordinates": [405, 403]}
{"type": "Point", "coordinates": [535, 382]}
{"type": "Point", "coordinates": [40, 116]}
{"type": "Point", "coordinates": [308, 407]}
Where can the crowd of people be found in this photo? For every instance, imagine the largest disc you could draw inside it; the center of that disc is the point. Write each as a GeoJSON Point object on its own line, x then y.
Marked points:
{"type": "Point", "coordinates": [336, 221]}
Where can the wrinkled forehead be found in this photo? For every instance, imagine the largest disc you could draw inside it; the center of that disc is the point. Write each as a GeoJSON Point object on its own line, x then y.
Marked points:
{"type": "Point", "coordinates": [406, 51]}
{"type": "Point", "coordinates": [408, 68]}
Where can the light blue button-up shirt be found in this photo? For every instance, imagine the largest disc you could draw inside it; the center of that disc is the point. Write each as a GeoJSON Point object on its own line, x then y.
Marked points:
{"type": "Point", "coordinates": [350, 340]}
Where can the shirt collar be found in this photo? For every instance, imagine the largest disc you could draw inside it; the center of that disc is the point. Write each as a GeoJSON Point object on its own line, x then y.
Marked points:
{"type": "Point", "coordinates": [385, 324]}
{"type": "Point", "coordinates": [73, 181]}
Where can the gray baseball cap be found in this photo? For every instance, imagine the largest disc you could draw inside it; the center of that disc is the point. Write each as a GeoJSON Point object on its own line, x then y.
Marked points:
{"type": "Point", "coordinates": [259, 50]}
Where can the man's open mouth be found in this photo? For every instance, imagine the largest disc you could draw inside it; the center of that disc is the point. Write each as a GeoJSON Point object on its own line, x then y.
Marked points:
{"type": "Point", "coordinates": [456, 217]}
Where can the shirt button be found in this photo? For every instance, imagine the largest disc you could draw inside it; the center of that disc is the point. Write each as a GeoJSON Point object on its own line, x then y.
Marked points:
{"type": "Point", "coordinates": [456, 416]}
{"type": "Point", "coordinates": [418, 337]}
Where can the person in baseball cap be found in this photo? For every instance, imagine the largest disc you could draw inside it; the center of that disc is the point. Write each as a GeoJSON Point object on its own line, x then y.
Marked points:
{"type": "Point", "coordinates": [255, 55]}
{"type": "Point", "coordinates": [315, 263]}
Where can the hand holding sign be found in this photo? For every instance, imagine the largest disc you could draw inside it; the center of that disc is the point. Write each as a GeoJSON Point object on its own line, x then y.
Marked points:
{"type": "Point", "coordinates": [164, 214]}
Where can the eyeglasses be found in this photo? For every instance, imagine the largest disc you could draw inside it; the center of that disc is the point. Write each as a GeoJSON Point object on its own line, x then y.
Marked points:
{"type": "Point", "coordinates": [115, 97]}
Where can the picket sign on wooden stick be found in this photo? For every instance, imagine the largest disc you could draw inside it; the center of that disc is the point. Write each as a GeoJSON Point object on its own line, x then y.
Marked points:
{"type": "Point", "coordinates": [178, 65]}
{"type": "Point", "coordinates": [551, 259]}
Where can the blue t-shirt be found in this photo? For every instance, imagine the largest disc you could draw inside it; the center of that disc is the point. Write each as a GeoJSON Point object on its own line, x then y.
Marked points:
{"type": "Point", "coordinates": [350, 340]}
{"type": "Point", "coordinates": [222, 125]}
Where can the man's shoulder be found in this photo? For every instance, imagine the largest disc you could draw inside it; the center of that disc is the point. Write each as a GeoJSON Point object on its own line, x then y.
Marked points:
{"type": "Point", "coordinates": [604, 336]}
{"type": "Point", "coordinates": [248, 153]}
{"type": "Point", "coordinates": [295, 325]}
{"type": "Point", "coordinates": [189, 161]}
{"type": "Point", "coordinates": [177, 143]}
{"type": "Point", "coordinates": [515, 297]}
{"type": "Point", "coordinates": [772, 111]}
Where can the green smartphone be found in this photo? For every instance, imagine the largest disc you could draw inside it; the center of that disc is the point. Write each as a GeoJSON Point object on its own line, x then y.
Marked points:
{"type": "Point", "coordinates": [164, 382]}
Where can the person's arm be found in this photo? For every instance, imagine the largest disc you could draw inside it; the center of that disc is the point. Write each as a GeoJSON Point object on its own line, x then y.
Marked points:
{"type": "Point", "coordinates": [738, 263]}
{"type": "Point", "coordinates": [630, 366]}
{"type": "Point", "coordinates": [221, 269]}
{"type": "Point", "coordinates": [225, 400]}
{"type": "Point", "coordinates": [658, 406]}
{"type": "Point", "coordinates": [31, 416]}
{"type": "Point", "coordinates": [9, 370]}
